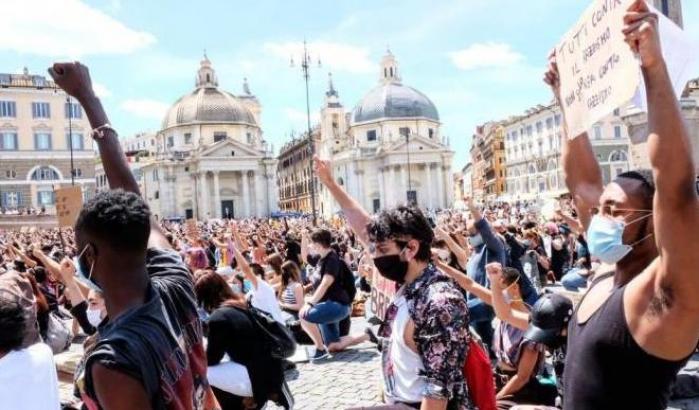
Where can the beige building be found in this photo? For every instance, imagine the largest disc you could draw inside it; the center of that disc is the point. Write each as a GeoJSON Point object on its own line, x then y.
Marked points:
{"type": "Point", "coordinates": [36, 121]}
{"type": "Point", "coordinates": [209, 159]}
{"type": "Point", "coordinates": [637, 122]}
{"type": "Point", "coordinates": [389, 149]}
{"type": "Point", "coordinates": [488, 152]}
{"type": "Point", "coordinates": [294, 174]}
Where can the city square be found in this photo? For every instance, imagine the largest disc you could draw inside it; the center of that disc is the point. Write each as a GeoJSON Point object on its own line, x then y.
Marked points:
{"type": "Point", "coordinates": [458, 213]}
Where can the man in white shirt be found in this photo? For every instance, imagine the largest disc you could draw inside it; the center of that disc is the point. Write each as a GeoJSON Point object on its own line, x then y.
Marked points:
{"type": "Point", "coordinates": [28, 378]}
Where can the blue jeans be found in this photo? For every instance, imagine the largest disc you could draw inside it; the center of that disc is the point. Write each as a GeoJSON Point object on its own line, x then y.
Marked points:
{"type": "Point", "coordinates": [327, 315]}
{"type": "Point", "coordinates": [573, 280]}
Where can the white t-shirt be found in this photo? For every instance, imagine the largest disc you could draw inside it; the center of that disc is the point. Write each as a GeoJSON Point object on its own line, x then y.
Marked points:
{"type": "Point", "coordinates": [28, 379]}
{"type": "Point", "coordinates": [263, 298]}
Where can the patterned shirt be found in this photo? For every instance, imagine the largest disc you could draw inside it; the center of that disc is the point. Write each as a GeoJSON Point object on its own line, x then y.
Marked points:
{"type": "Point", "coordinates": [440, 313]}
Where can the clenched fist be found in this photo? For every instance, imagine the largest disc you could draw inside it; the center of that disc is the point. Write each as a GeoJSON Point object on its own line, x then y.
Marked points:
{"type": "Point", "coordinates": [74, 79]}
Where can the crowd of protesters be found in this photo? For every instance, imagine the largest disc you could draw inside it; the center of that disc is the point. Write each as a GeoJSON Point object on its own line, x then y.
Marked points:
{"type": "Point", "coordinates": [207, 314]}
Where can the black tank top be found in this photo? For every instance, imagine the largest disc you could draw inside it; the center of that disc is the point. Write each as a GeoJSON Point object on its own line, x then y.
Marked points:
{"type": "Point", "coordinates": [606, 369]}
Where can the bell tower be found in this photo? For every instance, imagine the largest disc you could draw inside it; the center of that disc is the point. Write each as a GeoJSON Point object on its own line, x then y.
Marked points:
{"type": "Point", "coordinates": [206, 76]}
{"type": "Point", "coordinates": [389, 69]}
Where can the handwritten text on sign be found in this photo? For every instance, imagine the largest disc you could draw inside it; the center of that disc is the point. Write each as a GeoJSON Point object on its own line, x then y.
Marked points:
{"type": "Point", "coordinates": [598, 70]}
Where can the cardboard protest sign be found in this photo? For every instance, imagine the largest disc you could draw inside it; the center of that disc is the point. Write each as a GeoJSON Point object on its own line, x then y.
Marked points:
{"type": "Point", "coordinates": [598, 70]}
{"type": "Point", "coordinates": [382, 292]}
{"type": "Point", "coordinates": [69, 202]}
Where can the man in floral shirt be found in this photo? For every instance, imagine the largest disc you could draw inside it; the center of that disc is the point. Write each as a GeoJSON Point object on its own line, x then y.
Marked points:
{"type": "Point", "coordinates": [426, 326]}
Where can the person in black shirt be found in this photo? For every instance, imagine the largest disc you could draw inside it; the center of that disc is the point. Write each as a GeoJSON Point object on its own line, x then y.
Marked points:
{"type": "Point", "coordinates": [637, 327]}
{"type": "Point", "coordinates": [330, 302]}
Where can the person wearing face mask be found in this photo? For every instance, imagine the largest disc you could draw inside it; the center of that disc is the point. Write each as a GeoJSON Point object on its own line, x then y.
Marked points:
{"type": "Point", "coordinates": [148, 290]}
{"type": "Point", "coordinates": [425, 328]}
{"type": "Point", "coordinates": [330, 303]}
{"type": "Point", "coordinates": [486, 248]}
{"type": "Point", "coordinates": [637, 325]}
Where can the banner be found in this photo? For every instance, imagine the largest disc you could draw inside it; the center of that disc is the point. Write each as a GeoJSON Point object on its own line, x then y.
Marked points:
{"type": "Point", "coordinates": [69, 202]}
{"type": "Point", "coordinates": [382, 292]}
{"type": "Point", "coordinates": [598, 70]}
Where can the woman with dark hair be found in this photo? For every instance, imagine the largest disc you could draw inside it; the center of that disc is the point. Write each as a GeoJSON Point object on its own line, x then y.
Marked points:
{"type": "Point", "coordinates": [233, 332]}
{"type": "Point", "coordinates": [291, 291]}
{"type": "Point", "coordinates": [274, 273]}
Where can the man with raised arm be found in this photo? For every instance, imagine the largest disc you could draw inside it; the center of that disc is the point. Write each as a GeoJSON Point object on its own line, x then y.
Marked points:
{"type": "Point", "coordinates": [426, 325]}
{"type": "Point", "coordinates": [149, 354]}
{"type": "Point", "coordinates": [639, 322]}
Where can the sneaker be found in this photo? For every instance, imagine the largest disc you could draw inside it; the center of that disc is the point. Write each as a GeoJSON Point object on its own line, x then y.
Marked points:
{"type": "Point", "coordinates": [320, 355]}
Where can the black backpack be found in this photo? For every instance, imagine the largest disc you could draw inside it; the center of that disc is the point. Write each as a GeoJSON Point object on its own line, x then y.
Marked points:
{"type": "Point", "coordinates": [277, 338]}
{"type": "Point", "coordinates": [348, 281]}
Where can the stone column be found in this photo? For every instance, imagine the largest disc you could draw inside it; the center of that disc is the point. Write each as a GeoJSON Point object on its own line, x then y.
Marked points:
{"type": "Point", "coordinates": [382, 193]}
{"type": "Point", "coordinates": [450, 187]}
{"type": "Point", "coordinates": [428, 181]}
{"type": "Point", "coordinates": [359, 174]}
{"type": "Point", "coordinates": [217, 196]}
{"type": "Point", "coordinates": [256, 194]}
{"type": "Point", "coordinates": [246, 194]}
{"type": "Point", "coordinates": [390, 186]}
{"type": "Point", "coordinates": [195, 195]}
{"type": "Point", "coordinates": [406, 184]}
{"type": "Point", "coordinates": [440, 187]}
{"type": "Point", "coordinates": [204, 192]}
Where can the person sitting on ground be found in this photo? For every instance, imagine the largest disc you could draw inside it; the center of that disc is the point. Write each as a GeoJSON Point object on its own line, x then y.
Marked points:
{"type": "Point", "coordinates": [330, 304]}
{"type": "Point", "coordinates": [147, 288]}
{"type": "Point", "coordinates": [28, 378]}
{"type": "Point", "coordinates": [291, 297]}
{"type": "Point", "coordinates": [232, 332]}
{"type": "Point", "coordinates": [637, 325]}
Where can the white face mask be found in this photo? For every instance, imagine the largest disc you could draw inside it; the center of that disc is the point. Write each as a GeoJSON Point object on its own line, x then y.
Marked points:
{"type": "Point", "coordinates": [94, 316]}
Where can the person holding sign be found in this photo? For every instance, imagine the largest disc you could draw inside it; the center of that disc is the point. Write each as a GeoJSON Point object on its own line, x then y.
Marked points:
{"type": "Point", "coordinates": [426, 326]}
{"type": "Point", "coordinates": [639, 323]}
{"type": "Point", "coordinates": [149, 353]}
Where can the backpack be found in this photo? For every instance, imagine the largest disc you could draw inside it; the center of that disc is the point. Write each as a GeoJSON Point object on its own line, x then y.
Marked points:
{"type": "Point", "coordinates": [277, 338]}
{"type": "Point", "coordinates": [479, 376]}
{"type": "Point", "coordinates": [348, 281]}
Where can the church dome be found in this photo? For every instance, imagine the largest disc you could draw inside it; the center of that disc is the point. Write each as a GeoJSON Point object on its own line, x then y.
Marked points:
{"type": "Point", "coordinates": [208, 104]}
{"type": "Point", "coordinates": [394, 100]}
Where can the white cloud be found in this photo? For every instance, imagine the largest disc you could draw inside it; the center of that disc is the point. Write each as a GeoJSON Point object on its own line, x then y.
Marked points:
{"type": "Point", "coordinates": [101, 90]}
{"type": "Point", "coordinates": [485, 55]}
{"type": "Point", "coordinates": [67, 29]}
{"type": "Point", "coordinates": [298, 117]}
{"type": "Point", "coordinates": [336, 56]}
{"type": "Point", "coordinates": [145, 108]}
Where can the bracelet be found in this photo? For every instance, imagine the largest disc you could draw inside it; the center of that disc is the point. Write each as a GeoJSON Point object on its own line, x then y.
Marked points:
{"type": "Point", "coordinates": [98, 133]}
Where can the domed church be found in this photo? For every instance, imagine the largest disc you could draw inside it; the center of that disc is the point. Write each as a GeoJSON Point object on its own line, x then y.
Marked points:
{"type": "Point", "coordinates": [389, 149]}
{"type": "Point", "coordinates": [211, 160]}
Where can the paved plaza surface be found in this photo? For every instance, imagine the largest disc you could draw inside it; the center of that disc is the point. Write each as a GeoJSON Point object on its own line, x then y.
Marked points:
{"type": "Point", "coordinates": [352, 379]}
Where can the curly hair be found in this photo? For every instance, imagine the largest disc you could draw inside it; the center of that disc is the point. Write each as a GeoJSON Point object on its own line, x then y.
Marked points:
{"type": "Point", "coordinates": [117, 217]}
{"type": "Point", "coordinates": [403, 222]}
{"type": "Point", "coordinates": [12, 325]}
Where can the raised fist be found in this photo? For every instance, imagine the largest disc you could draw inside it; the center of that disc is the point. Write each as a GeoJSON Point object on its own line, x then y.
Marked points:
{"type": "Point", "coordinates": [323, 170]}
{"type": "Point", "coordinates": [641, 33]}
{"type": "Point", "coordinates": [73, 78]}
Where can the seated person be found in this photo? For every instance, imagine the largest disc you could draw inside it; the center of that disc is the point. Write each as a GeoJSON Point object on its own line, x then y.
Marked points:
{"type": "Point", "coordinates": [232, 332]}
{"type": "Point", "coordinates": [291, 297]}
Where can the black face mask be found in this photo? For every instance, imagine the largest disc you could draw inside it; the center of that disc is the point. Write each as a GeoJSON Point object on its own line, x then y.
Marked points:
{"type": "Point", "coordinates": [392, 267]}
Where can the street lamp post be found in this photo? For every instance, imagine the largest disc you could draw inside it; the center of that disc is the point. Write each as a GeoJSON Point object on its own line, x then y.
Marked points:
{"type": "Point", "coordinates": [305, 65]}
{"type": "Point", "coordinates": [70, 139]}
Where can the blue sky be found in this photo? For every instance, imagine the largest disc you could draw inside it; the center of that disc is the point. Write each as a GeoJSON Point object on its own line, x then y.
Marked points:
{"type": "Point", "coordinates": [476, 59]}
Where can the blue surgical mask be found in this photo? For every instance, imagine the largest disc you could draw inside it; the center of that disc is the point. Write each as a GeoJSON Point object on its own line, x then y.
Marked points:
{"type": "Point", "coordinates": [85, 277]}
{"type": "Point", "coordinates": [247, 286]}
{"type": "Point", "coordinates": [604, 238]}
{"type": "Point", "coordinates": [476, 240]}
{"type": "Point", "coordinates": [236, 287]}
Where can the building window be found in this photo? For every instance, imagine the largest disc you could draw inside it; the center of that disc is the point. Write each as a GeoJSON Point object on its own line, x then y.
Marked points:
{"type": "Point", "coordinates": [157, 194]}
{"type": "Point", "coordinates": [10, 199]}
{"type": "Point", "coordinates": [46, 198]}
{"type": "Point", "coordinates": [539, 127]}
{"type": "Point", "coordinates": [430, 133]}
{"type": "Point", "coordinates": [73, 110]}
{"type": "Point", "coordinates": [41, 110]}
{"type": "Point", "coordinates": [617, 131]}
{"type": "Point", "coordinates": [77, 172]}
{"type": "Point", "coordinates": [529, 130]}
{"type": "Point", "coordinates": [616, 112]}
{"type": "Point", "coordinates": [549, 123]}
{"type": "Point", "coordinates": [8, 141]}
{"type": "Point", "coordinates": [8, 109]}
{"type": "Point", "coordinates": [10, 174]}
{"type": "Point", "coordinates": [404, 131]}
{"type": "Point", "coordinates": [665, 7]}
{"type": "Point", "coordinates": [187, 138]}
{"type": "Point", "coordinates": [170, 141]}
{"type": "Point", "coordinates": [371, 135]}
{"type": "Point", "coordinates": [557, 119]}
{"type": "Point", "coordinates": [155, 175]}
{"type": "Point", "coordinates": [75, 141]}
{"type": "Point", "coordinates": [44, 174]}
{"type": "Point", "coordinates": [232, 153]}
{"type": "Point", "coordinates": [598, 132]}
{"type": "Point", "coordinates": [152, 142]}
{"type": "Point", "coordinates": [219, 136]}
{"type": "Point", "coordinates": [618, 156]}
{"type": "Point", "coordinates": [249, 137]}
{"type": "Point", "coordinates": [42, 141]}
